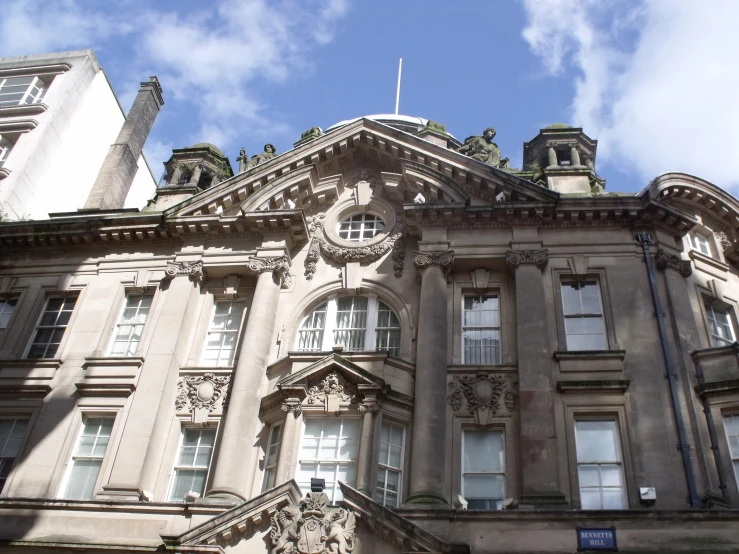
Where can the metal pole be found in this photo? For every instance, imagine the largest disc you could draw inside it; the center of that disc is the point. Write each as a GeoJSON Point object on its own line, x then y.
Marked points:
{"type": "Point", "coordinates": [645, 239]}
{"type": "Point", "coordinates": [397, 93]}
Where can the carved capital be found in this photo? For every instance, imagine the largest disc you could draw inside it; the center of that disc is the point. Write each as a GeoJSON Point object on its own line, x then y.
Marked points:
{"type": "Point", "coordinates": [292, 406]}
{"type": "Point", "coordinates": [424, 260]}
{"type": "Point", "coordinates": [193, 269]}
{"type": "Point", "coordinates": [539, 258]}
{"type": "Point", "coordinates": [668, 261]}
{"type": "Point", "coordinates": [277, 265]}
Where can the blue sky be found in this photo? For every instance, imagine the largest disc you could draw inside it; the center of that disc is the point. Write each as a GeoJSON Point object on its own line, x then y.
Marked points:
{"type": "Point", "coordinates": [655, 81]}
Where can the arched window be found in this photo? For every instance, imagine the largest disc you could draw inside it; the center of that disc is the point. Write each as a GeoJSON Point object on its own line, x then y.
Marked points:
{"type": "Point", "coordinates": [354, 322]}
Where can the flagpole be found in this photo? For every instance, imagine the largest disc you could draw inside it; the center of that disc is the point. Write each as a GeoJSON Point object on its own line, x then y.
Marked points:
{"type": "Point", "coordinates": [397, 94]}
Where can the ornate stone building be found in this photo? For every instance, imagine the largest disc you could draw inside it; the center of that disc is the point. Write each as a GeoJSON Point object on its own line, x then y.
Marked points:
{"type": "Point", "coordinates": [453, 355]}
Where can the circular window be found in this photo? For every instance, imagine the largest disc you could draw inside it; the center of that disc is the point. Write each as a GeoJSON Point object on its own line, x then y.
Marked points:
{"type": "Point", "coordinates": [360, 227]}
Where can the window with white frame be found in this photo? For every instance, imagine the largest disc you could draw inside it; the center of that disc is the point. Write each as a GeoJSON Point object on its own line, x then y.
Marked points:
{"type": "Point", "coordinates": [223, 333]}
{"type": "Point", "coordinates": [600, 465]}
{"type": "Point", "coordinates": [7, 307]}
{"type": "Point", "coordinates": [6, 145]}
{"type": "Point", "coordinates": [699, 242]}
{"type": "Point", "coordinates": [731, 424]}
{"type": "Point", "coordinates": [720, 326]}
{"type": "Point", "coordinates": [87, 458]}
{"type": "Point", "coordinates": [270, 458]}
{"type": "Point", "coordinates": [15, 91]}
{"type": "Point", "coordinates": [583, 315]}
{"type": "Point", "coordinates": [193, 461]}
{"type": "Point", "coordinates": [354, 322]}
{"type": "Point", "coordinates": [390, 470]}
{"type": "Point", "coordinates": [12, 432]}
{"type": "Point", "coordinates": [130, 324]}
{"type": "Point", "coordinates": [329, 451]}
{"type": "Point", "coordinates": [481, 329]}
{"type": "Point", "coordinates": [360, 227]}
{"type": "Point", "coordinates": [51, 327]}
{"type": "Point", "coordinates": [483, 469]}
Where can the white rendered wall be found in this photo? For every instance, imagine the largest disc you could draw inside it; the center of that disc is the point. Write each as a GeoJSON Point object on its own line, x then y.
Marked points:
{"type": "Point", "coordinates": [143, 186]}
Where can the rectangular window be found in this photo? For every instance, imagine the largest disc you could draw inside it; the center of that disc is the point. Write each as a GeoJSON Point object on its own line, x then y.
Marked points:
{"type": "Point", "coordinates": [329, 451]}
{"type": "Point", "coordinates": [700, 242]}
{"type": "Point", "coordinates": [87, 458]}
{"type": "Point", "coordinates": [390, 469]}
{"type": "Point", "coordinates": [731, 424]}
{"type": "Point", "coordinates": [483, 469]}
{"type": "Point", "coordinates": [719, 326]}
{"type": "Point", "coordinates": [387, 330]}
{"type": "Point", "coordinates": [583, 315]}
{"type": "Point", "coordinates": [191, 469]}
{"type": "Point", "coordinates": [7, 307]}
{"type": "Point", "coordinates": [15, 91]}
{"type": "Point", "coordinates": [6, 145]}
{"type": "Point", "coordinates": [270, 459]}
{"type": "Point", "coordinates": [51, 326]}
{"type": "Point", "coordinates": [351, 322]}
{"type": "Point", "coordinates": [599, 465]}
{"type": "Point", "coordinates": [481, 330]}
{"type": "Point", "coordinates": [130, 325]}
{"type": "Point", "coordinates": [223, 333]}
{"type": "Point", "coordinates": [12, 432]}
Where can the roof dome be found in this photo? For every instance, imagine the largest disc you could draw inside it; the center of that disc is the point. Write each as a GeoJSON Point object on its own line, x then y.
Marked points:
{"type": "Point", "coordinates": [211, 146]}
{"type": "Point", "coordinates": [559, 126]}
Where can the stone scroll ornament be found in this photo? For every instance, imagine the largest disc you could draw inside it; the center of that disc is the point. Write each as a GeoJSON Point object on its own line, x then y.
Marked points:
{"type": "Point", "coordinates": [201, 392]}
{"type": "Point", "coordinates": [193, 269]}
{"type": "Point", "coordinates": [424, 260]}
{"type": "Point", "coordinates": [668, 261]}
{"type": "Point", "coordinates": [394, 242]}
{"type": "Point", "coordinates": [279, 265]}
{"type": "Point", "coordinates": [313, 527]}
{"type": "Point", "coordinates": [539, 258]}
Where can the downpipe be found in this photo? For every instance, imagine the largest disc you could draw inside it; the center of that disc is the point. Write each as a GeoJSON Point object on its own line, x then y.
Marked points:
{"type": "Point", "coordinates": [645, 240]}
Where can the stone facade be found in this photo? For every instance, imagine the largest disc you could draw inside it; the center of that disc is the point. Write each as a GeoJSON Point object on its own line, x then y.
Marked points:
{"type": "Point", "coordinates": [423, 331]}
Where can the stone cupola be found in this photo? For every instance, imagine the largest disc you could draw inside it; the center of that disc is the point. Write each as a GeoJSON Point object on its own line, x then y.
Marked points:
{"type": "Point", "coordinates": [562, 158]}
{"type": "Point", "coordinates": [190, 171]}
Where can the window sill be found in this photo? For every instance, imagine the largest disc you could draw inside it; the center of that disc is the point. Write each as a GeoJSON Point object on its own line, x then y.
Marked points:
{"type": "Point", "coordinates": [110, 375]}
{"type": "Point", "coordinates": [576, 387]}
{"type": "Point", "coordinates": [701, 260]}
{"type": "Point", "coordinates": [4, 173]}
{"type": "Point", "coordinates": [586, 361]}
{"type": "Point", "coordinates": [23, 109]}
{"type": "Point", "coordinates": [717, 364]}
{"type": "Point", "coordinates": [31, 377]}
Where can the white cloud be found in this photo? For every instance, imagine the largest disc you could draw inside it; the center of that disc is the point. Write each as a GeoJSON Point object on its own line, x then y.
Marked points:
{"type": "Point", "coordinates": [656, 82]}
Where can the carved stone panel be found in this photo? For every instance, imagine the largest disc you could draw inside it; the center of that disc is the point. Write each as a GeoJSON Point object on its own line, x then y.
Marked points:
{"type": "Point", "coordinates": [484, 395]}
{"type": "Point", "coordinates": [200, 395]}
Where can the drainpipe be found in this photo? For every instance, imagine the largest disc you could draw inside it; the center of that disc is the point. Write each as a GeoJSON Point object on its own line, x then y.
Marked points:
{"type": "Point", "coordinates": [712, 436]}
{"type": "Point", "coordinates": [645, 239]}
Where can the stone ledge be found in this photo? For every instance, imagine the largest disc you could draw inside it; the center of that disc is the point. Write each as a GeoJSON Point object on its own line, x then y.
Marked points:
{"type": "Point", "coordinates": [719, 387]}
{"type": "Point", "coordinates": [23, 109]}
{"type": "Point", "coordinates": [30, 377]}
{"type": "Point", "coordinates": [609, 386]}
{"type": "Point", "coordinates": [586, 361]}
{"type": "Point", "coordinates": [110, 376]}
{"type": "Point", "coordinates": [714, 263]}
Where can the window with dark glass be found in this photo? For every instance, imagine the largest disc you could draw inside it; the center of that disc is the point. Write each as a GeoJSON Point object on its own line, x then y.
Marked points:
{"type": "Point", "coordinates": [51, 327]}
{"type": "Point", "coordinates": [583, 315]}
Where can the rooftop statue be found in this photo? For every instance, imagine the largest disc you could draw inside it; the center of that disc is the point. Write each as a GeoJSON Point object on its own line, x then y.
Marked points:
{"type": "Point", "coordinates": [243, 160]}
{"type": "Point", "coordinates": [269, 152]}
{"type": "Point", "coordinates": [483, 149]}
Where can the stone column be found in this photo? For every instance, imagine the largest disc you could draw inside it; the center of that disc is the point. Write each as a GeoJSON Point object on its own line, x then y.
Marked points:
{"type": "Point", "coordinates": [539, 466]}
{"type": "Point", "coordinates": [366, 442]}
{"type": "Point", "coordinates": [574, 156]}
{"type": "Point", "coordinates": [175, 175]}
{"type": "Point", "coordinates": [139, 456]}
{"type": "Point", "coordinates": [231, 477]}
{"type": "Point", "coordinates": [195, 177]}
{"type": "Point", "coordinates": [287, 456]}
{"type": "Point", "coordinates": [428, 449]}
{"type": "Point", "coordinates": [552, 157]}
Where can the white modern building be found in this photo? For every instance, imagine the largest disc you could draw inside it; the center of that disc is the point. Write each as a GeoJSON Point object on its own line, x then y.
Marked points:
{"type": "Point", "coordinates": [58, 118]}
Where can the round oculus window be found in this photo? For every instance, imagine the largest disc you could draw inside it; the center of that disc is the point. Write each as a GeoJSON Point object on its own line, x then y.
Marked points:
{"type": "Point", "coordinates": [361, 227]}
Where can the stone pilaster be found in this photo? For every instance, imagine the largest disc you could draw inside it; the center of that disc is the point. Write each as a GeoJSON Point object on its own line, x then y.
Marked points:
{"type": "Point", "coordinates": [288, 455]}
{"type": "Point", "coordinates": [428, 451]}
{"type": "Point", "coordinates": [366, 441]}
{"type": "Point", "coordinates": [231, 474]}
{"type": "Point", "coordinates": [539, 466]}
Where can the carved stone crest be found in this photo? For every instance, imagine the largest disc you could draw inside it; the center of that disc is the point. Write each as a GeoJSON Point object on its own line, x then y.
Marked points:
{"type": "Point", "coordinates": [669, 261]}
{"type": "Point", "coordinates": [193, 269]}
{"type": "Point", "coordinates": [539, 258]}
{"type": "Point", "coordinates": [313, 527]}
{"type": "Point", "coordinates": [486, 394]}
{"type": "Point", "coordinates": [332, 391]}
{"type": "Point", "coordinates": [199, 395]}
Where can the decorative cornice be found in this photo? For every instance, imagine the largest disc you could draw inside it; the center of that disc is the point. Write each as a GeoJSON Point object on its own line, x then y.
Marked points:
{"type": "Point", "coordinates": [539, 258]}
{"type": "Point", "coordinates": [424, 260]}
{"type": "Point", "coordinates": [277, 265]}
{"type": "Point", "coordinates": [192, 269]}
{"type": "Point", "coordinates": [669, 261]}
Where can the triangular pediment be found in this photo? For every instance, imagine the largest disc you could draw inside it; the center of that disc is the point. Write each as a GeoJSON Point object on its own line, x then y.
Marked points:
{"type": "Point", "coordinates": [331, 363]}
{"type": "Point", "coordinates": [314, 174]}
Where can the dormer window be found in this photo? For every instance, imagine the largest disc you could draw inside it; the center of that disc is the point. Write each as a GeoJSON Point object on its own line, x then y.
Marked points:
{"type": "Point", "coordinates": [355, 322]}
{"type": "Point", "coordinates": [16, 91]}
{"type": "Point", "coordinates": [360, 227]}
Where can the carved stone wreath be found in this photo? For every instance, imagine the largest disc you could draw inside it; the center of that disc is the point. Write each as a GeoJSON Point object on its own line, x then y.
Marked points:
{"type": "Point", "coordinates": [201, 392]}
{"type": "Point", "coordinates": [486, 394]}
{"type": "Point", "coordinates": [362, 254]}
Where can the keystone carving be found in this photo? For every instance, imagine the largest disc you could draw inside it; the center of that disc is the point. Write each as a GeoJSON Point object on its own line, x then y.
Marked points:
{"type": "Point", "coordinates": [539, 258]}
{"type": "Point", "coordinates": [193, 269]}
{"type": "Point", "coordinates": [486, 394]}
{"type": "Point", "coordinates": [332, 391]}
{"type": "Point", "coordinates": [424, 260]}
{"type": "Point", "coordinates": [362, 254]}
{"type": "Point", "coordinates": [279, 265]}
{"type": "Point", "coordinates": [194, 393]}
{"type": "Point", "coordinates": [669, 261]}
{"type": "Point", "coordinates": [312, 527]}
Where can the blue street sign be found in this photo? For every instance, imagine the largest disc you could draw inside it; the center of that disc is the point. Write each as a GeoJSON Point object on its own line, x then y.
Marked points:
{"type": "Point", "coordinates": [596, 539]}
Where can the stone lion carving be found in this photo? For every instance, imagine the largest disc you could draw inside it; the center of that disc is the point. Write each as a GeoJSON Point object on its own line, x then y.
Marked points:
{"type": "Point", "coordinates": [284, 530]}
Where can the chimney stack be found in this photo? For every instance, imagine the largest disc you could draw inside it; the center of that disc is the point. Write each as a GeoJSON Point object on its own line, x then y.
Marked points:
{"type": "Point", "coordinates": [119, 168]}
